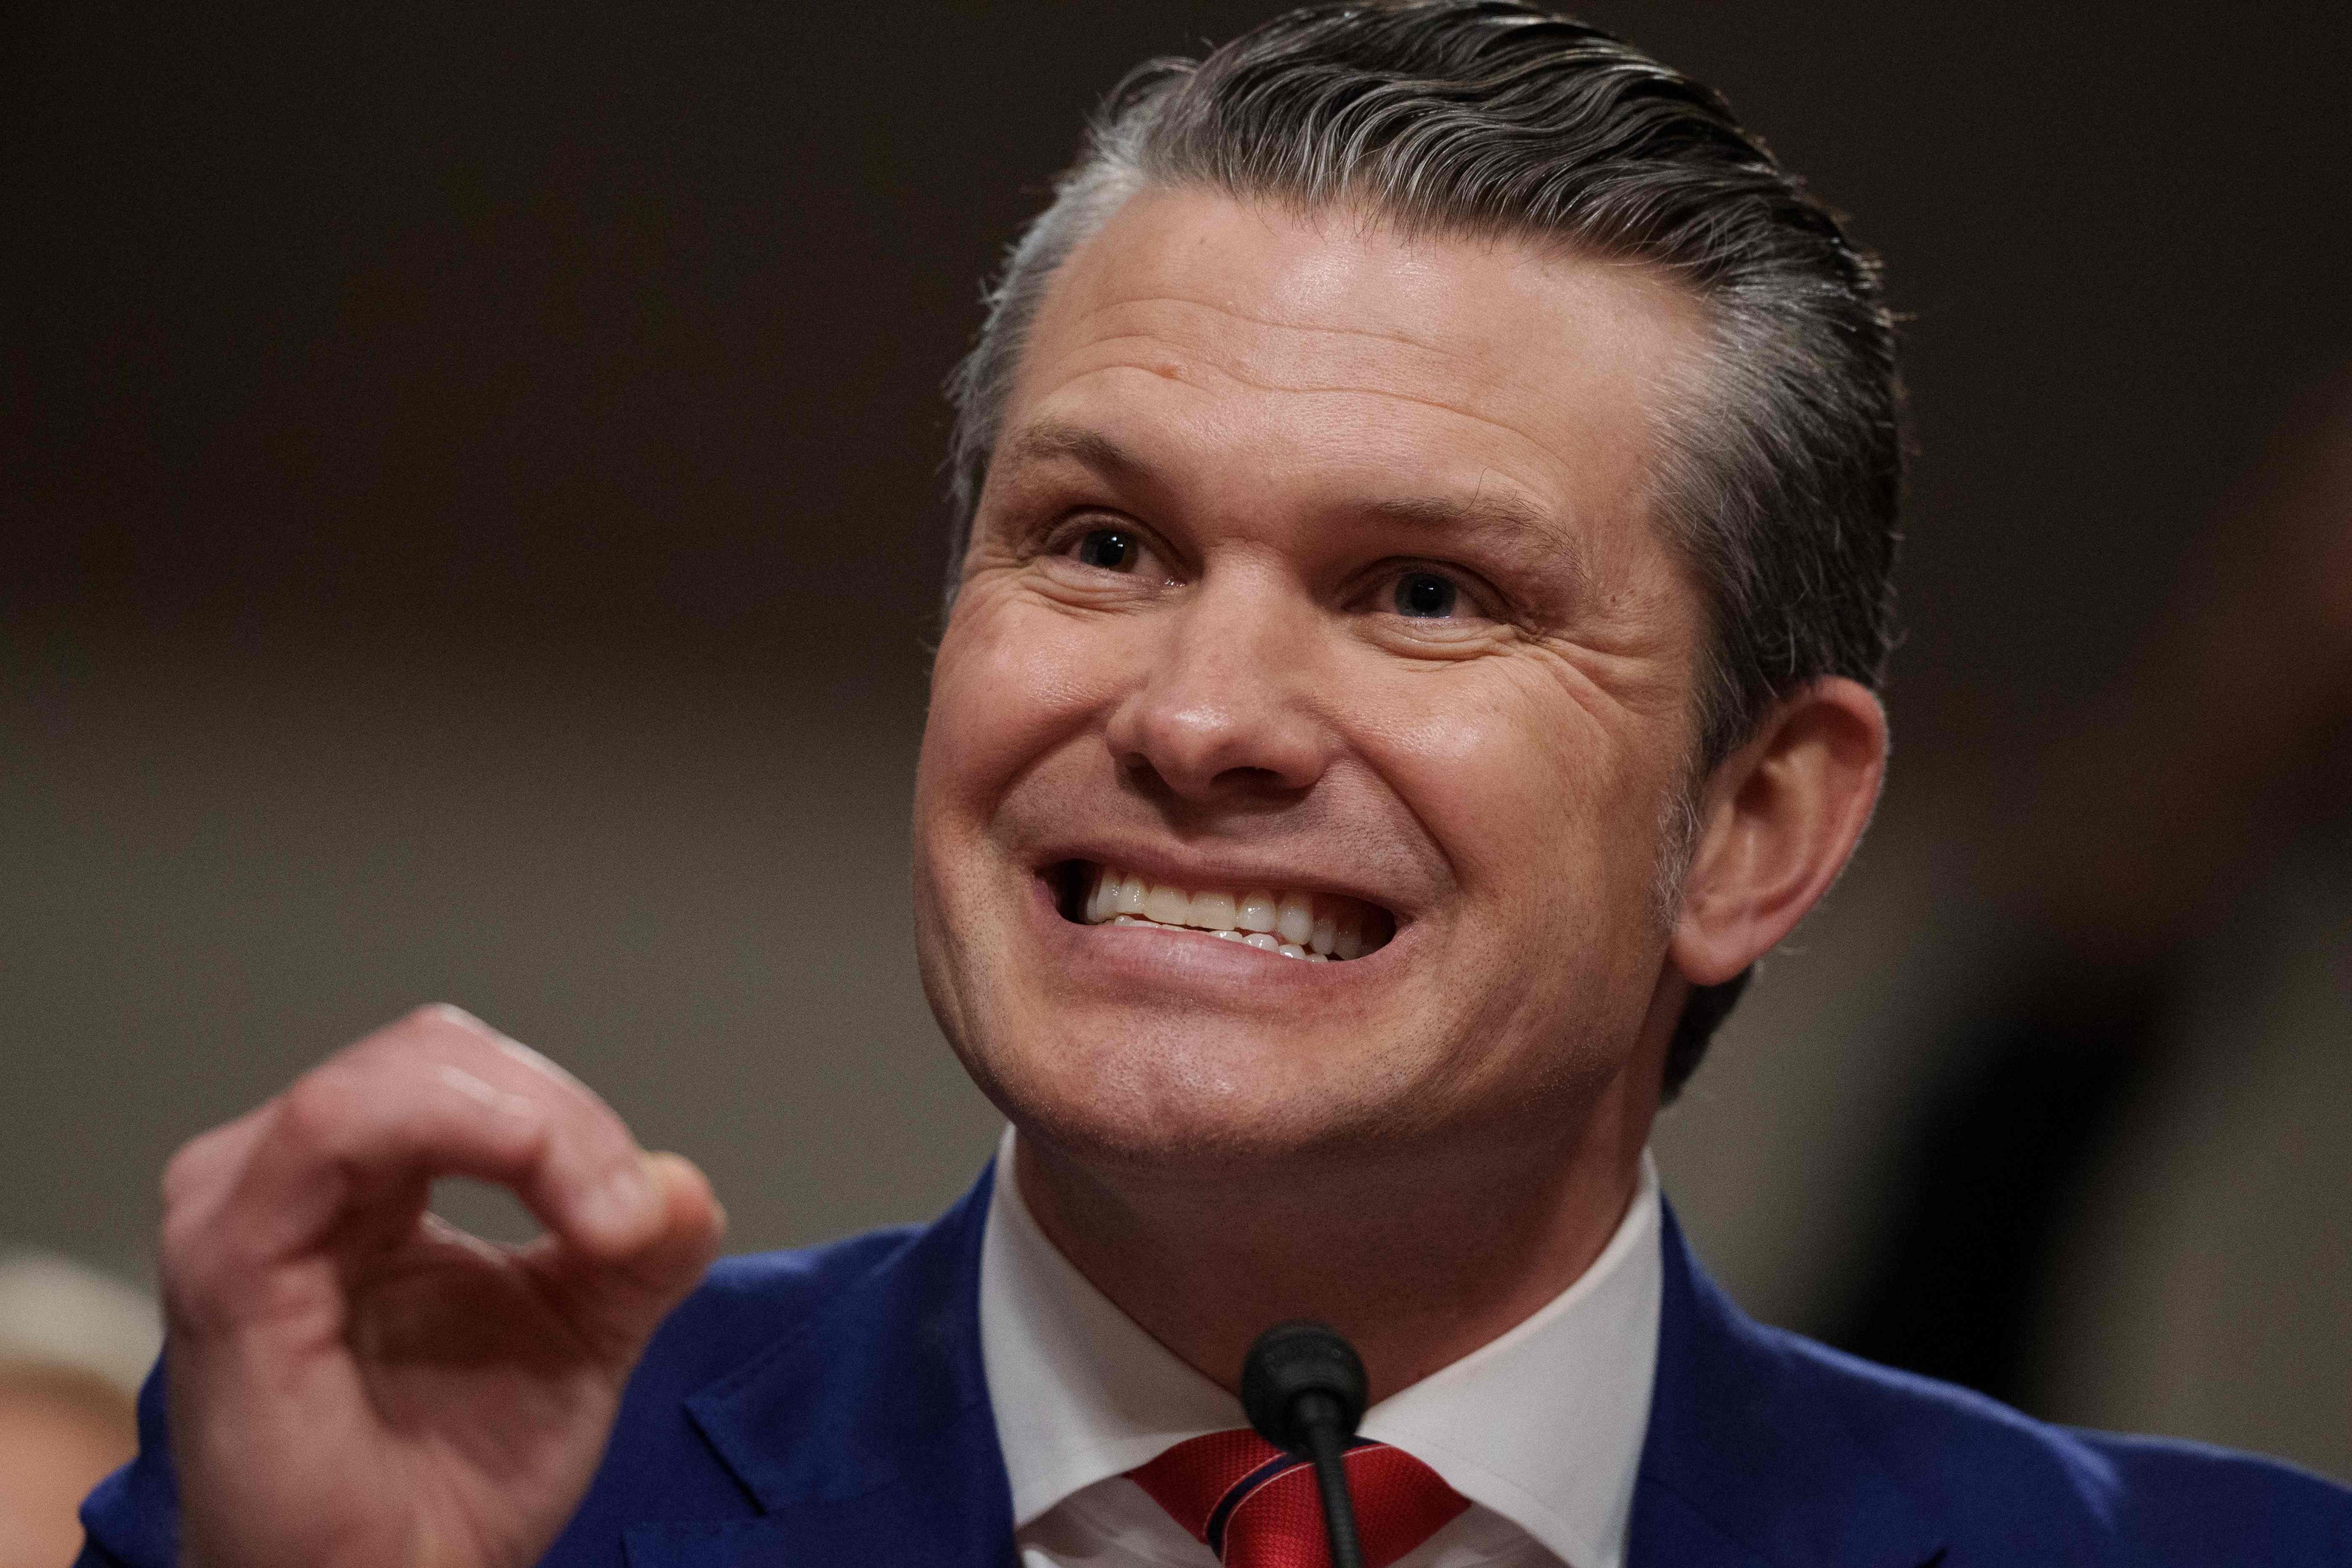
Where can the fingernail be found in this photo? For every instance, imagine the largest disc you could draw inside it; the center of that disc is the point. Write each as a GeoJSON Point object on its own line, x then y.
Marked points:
{"type": "Point", "coordinates": [619, 1206]}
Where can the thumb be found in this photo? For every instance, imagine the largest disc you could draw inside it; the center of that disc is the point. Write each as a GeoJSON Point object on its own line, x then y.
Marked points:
{"type": "Point", "coordinates": [616, 1301]}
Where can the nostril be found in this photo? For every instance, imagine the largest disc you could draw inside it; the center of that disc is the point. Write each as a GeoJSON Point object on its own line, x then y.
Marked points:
{"type": "Point", "coordinates": [1249, 780]}
{"type": "Point", "coordinates": [1192, 742]}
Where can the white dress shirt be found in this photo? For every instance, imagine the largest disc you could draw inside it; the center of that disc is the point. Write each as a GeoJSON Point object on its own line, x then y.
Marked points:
{"type": "Point", "coordinates": [1541, 1429]}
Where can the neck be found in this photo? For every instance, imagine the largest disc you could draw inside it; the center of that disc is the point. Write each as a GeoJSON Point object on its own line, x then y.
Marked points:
{"type": "Point", "coordinates": [1419, 1256]}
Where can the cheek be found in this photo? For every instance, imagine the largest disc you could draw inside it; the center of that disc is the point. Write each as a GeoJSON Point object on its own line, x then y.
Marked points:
{"type": "Point", "coordinates": [1477, 768]}
{"type": "Point", "coordinates": [1010, 680]}
{"type": "Point", "coordinates": [1536, 800]}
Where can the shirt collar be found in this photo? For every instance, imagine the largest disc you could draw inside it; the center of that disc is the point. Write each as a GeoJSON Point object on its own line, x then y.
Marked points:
{"type": "Point", "coordinates": [1543, 1425]}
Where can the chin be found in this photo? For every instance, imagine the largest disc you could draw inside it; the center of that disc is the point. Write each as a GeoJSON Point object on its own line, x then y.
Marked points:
{"type": "Point", "coordinates": [1198, 1093]}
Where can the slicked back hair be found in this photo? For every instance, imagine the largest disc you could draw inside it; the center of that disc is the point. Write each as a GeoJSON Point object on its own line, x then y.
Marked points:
{"type": "Point", "coordinates": [1781, 462]}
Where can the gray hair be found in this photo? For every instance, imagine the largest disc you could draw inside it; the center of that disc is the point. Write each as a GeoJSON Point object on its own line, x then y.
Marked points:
{"type": "Point", "coordinates": [1782, 468]}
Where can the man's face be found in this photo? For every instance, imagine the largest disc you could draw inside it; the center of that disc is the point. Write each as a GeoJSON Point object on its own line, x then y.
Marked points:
{"type": "Point", "coordinates": [1314, 586]}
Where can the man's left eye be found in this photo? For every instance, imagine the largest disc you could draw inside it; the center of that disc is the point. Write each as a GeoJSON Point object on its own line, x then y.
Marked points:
{"type": "Point", "coordinates": [1425, 596]}
{"type": "Point", "coordinates": [1112, 549]}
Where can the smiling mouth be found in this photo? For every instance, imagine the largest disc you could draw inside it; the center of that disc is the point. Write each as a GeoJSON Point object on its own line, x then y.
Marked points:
{"type": "Point", "coordinates": [1316, 926]}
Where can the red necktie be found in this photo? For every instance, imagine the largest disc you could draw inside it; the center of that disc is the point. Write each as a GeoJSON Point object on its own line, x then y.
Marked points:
{"type": "Point", "coordinates": [1256, 1507]}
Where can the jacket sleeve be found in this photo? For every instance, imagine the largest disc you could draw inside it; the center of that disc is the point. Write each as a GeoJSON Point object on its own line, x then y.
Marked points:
{"type": "Point", "coordinates": [93, 1555]}
{"type": "Point", "coordinates": [132, 1519]}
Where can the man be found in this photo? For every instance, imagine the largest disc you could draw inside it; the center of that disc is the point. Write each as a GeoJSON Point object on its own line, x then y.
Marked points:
{"type": "Point", "coordinates": [1430, 483]}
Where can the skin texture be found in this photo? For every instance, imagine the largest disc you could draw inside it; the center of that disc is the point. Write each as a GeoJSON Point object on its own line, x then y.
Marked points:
{"type": "Point", "coordinates": [1286, 417]}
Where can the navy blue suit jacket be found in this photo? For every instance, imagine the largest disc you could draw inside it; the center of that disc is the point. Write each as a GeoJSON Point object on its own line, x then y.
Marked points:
{"type": "Point", "coordinates": [827, 1406]}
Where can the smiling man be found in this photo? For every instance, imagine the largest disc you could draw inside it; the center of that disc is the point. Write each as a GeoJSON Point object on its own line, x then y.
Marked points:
{"type": "Point", "coordinates": [1429, 485]}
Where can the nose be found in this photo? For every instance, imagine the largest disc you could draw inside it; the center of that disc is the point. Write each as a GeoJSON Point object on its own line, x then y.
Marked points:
{"type": "Point", "coordinates": [1222, 707]}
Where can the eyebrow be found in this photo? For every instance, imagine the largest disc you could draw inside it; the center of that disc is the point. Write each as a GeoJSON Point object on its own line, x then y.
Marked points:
{"type": "Point", "coordinates": [1052, 441]}
{"type": "Point", "coordinates": [1523, 527]}
{"type": "Point", "coordinates": [1521, 522]}
{"type": "Point", "coordinates": [1516, 527]}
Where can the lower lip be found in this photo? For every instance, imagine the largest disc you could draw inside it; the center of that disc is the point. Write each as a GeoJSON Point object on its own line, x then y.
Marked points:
{"type": "Point", "coordinates": [1191, 959]}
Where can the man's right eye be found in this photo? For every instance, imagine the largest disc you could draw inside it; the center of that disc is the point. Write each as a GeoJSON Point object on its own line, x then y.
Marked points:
{"type": "Point", "coordinates": [1112, 549]}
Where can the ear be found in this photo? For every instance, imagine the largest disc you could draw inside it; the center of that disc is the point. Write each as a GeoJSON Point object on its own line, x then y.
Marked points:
{"type": "Point", "coordinates": [1779, 816]}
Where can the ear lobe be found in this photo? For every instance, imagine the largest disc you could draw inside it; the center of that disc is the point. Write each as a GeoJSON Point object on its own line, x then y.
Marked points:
{"type": "Point", "coordinates": [1780, 818]}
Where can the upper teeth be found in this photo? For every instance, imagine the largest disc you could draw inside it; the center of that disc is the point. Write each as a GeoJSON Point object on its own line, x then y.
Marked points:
{"type": "Point", "coordinates": [1313, 926]}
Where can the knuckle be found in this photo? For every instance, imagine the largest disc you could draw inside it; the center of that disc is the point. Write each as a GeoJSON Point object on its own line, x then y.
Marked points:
{"type": "Point", "coordinates": [435, 1030]}
{"type": "Point", "coordinates": [433, 1017]}
{"type": "Point", "coordinates": [177, 1237]}
{"type": "Point", "coordinates": [320, 1109]}
{"type": "Point", "coordinates": [202, 1168]}
{"type": "Point", "coordinates": [200, 1263]}
{"type": "Point", "coordinates": [185, 1258]}
{"type": "Point", "coordinates": [200, 1292]}
{"type": "Point", "coordinates": [184, 1173]}
{"type": "Point", "coordinates": [446, 1019]}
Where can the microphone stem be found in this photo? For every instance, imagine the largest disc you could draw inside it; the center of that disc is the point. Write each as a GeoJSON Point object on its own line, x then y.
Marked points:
{"type": "Point", "coordinates": [1319, 1414]}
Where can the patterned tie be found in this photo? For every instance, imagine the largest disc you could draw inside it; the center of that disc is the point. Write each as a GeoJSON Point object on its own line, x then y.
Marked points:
{"type": "Point", "coordinates": [1257, 1507]}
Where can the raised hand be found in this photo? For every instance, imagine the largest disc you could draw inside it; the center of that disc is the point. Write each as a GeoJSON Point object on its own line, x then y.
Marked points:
{"type": "Point", "coordinates": [353, 1382]}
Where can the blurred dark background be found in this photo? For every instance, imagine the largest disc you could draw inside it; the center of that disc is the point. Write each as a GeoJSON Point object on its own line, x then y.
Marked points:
{"type": "Point", "coordinates": [469, 529]}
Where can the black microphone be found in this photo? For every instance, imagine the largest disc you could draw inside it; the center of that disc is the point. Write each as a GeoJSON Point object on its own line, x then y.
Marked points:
{"type": "Point", "coordinates": [1303, 1387]}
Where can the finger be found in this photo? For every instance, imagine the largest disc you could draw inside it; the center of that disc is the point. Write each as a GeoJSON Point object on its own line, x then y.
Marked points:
{"type": "Point", "coordinates": [616, 1302]}
{"type": "Point", "coordinates": [437, 1094]}
{"type": "Point", "coordinates": [196, 1187]}
{"type": "Point", "coordinates": [347, 1158]}
{"type": "Point", "coordinates": [198, 1178]}
{"type": "Point", "coordinates": [588, 1184]}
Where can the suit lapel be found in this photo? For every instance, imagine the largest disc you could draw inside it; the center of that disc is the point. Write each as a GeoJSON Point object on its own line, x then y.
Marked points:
{"type": "Point", "coordinates": [867, 1437]}
{"type": "Point", "coordinates": [1745, 1461]}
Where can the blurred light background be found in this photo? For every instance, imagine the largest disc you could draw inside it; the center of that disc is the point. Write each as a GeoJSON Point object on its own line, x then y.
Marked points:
{"type": "Point", "coordinates": [469, 530]}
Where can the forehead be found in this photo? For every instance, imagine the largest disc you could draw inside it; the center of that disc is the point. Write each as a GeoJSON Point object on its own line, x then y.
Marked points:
{"type": "Point", "coordinates": [1254, 346]}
